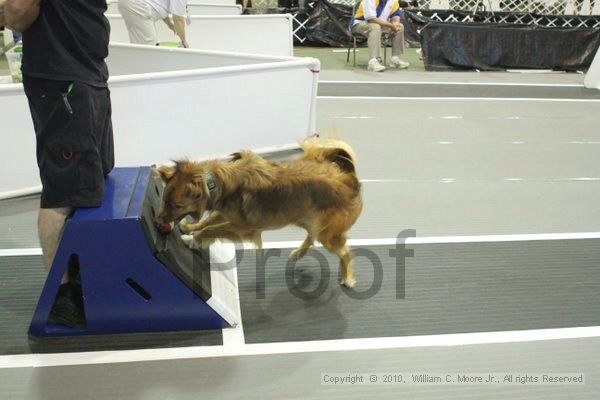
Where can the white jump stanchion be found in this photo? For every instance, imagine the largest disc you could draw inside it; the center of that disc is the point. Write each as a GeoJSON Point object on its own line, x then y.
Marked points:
{"type": "Point", "coordinates": [592, 77]}
{"type": "Point", "coordinates": [255, 34]}
{"type": "Point", "coordinates": [171, 103]}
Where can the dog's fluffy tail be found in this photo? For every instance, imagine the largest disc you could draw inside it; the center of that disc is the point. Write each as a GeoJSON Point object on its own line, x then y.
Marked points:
{"type": "Point", "coordinates": [330, 150]}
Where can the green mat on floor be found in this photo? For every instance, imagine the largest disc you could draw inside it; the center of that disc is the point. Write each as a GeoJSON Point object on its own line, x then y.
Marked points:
{"type": "Point", "coordinates": [169, 44]}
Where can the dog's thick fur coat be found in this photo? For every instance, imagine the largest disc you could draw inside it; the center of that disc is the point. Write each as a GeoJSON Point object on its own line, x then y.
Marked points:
{"type": "Point", "coordinates": [319, 192]}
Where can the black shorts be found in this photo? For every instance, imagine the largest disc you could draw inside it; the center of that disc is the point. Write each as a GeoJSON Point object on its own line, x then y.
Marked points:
{"type": "Point", "coordinates": [73, 129]}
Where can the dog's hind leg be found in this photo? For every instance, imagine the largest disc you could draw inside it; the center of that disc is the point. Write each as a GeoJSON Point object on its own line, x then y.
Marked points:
{"type": "Point", "coordinates": [256, 238]}
{"type": "Point", "coordinates": [346, 268]}
{"type": "Point", "coordinates": [303, 249]}
{"type": "Point", "coordinates": [336, 243]}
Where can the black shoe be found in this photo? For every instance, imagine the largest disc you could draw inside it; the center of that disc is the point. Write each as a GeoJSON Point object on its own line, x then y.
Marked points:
{"type": "Point", "coordinates": [68, 308]}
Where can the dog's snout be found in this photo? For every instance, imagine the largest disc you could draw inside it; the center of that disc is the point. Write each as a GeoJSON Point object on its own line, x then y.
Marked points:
{"type": "Point", "coordinates": [166, 217]}
{"type": "Point", "coordinates": [159, 218]}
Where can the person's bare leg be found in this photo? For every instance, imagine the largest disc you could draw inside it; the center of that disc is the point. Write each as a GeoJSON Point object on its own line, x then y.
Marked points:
{"type": "Point", "coordinates": [51, 222]}
{"type": "Point", "coordinates": [398, 43]}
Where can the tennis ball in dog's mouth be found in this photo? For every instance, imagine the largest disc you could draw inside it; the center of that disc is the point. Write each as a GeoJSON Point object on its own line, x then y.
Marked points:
{"type": "Point", "coordinates": [163, 229]}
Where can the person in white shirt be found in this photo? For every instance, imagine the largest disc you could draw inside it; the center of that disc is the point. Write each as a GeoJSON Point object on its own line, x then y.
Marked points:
{"type": "Point", "coordinates": [140, 15]}
{"type": "Point", "coordinates": [372, 17]}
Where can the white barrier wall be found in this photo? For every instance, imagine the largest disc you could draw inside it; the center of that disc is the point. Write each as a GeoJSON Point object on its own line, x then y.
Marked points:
{"type": "Point", "coordinates": [214, 9]}
{"type": "Point", "coordinates": [592, 77]}
{"type": "Point", "coordinates": [211, 7]}
{"type": "Point", "coordinates": [17, 141]}
{"type": "Point", "coordinates": [256, 34]}
{"type": "Point", "coordinates": [173, 103]}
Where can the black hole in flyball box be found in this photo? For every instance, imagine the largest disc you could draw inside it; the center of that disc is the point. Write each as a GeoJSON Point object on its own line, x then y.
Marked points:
{"type": "Point", "coordinates": [138, 289]}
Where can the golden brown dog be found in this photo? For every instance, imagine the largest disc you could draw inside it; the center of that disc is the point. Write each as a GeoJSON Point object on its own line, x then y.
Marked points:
{"type": "Point", "coordinates": [247, 195]}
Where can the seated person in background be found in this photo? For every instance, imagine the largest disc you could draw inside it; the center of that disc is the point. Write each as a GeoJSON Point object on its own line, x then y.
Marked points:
{"type": "Point", "coordinates": [140, 15]}
{"type": "Point", "coordinates": [371, 19]}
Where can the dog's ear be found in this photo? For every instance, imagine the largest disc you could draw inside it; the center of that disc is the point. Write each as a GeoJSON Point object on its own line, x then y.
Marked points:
{"type": "Point", "coordinates": [166, 172]}
{"type": "Point", "coordinates": [235, 156]}
{"type": "Point", "coordinates": [193, 190]}
{"type": "Point", "coordinates": [196, 187]}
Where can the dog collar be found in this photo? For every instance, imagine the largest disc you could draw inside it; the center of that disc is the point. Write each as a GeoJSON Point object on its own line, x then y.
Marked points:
{"type": "Point", "coordinates": [210, 182]}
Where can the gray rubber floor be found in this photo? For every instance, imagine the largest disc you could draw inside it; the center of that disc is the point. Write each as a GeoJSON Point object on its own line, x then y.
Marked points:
{"type": "Point", "coordinates": [448, 289]}
{"type": "Point", "coordinates": [526, 79]}
{"type": "Point", "coordinates": [413, 89]}
{"type": "Point", "coordinates": [447, 168]}
{"type": "Point", "coordinates": [451, 288]}
{"type": "Point", "coordinates": [19, 219]}
{"type": "Point", "coordinates": [298, 376]}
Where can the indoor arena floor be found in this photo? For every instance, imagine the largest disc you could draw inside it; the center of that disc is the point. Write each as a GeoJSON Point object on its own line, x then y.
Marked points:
{"type": "Point", "coordinates": [494, 179]}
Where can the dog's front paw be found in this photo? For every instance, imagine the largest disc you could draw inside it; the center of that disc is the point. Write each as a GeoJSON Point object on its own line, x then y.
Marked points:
{"type": "Point", "coordinates": [188, 240]}
{"type": "Point", "coordinates": [348, 282]}
{"type": "Point", "coordinates": [185, 227]}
